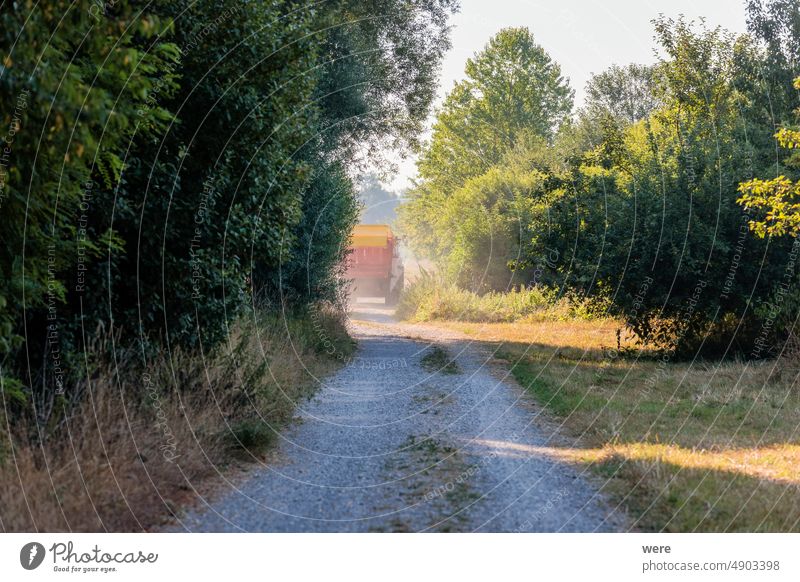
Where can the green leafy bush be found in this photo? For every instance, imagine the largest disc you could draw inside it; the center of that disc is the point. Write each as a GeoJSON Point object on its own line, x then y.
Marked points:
{"type": "Point", "coordinates": [632, 203]}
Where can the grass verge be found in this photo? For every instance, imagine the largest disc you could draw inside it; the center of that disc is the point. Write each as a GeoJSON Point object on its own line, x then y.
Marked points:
{"type": "Point", "coordinates": [144, 437]}
{"type": "Point", "coordinates": [437, 360]}
{"type": "Point", "coordinates": [702, 446]}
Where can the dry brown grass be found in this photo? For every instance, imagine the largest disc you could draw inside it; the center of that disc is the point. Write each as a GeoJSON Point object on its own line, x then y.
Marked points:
{"type": "Point", "coordinates": [684, 446]}
{"type": "Point", "coordinates": [578, 335]}
{"type": "Point", "coordinates": [144, 438]}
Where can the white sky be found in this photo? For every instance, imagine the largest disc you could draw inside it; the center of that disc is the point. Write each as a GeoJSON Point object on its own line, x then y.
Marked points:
{"type": "Point", "coordinates": [583, 36]}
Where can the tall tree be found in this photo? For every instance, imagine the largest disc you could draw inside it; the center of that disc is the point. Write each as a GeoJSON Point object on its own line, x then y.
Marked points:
{"type": "Point", "coordinates": [653, 224]}
{"type": "Point", "coordinates": [379, 62]}
{"type": "Point", "coordinates": [777, 200]}
{"type": "Point", "coordinates": [512, 88]}
{"type": "Point", "coordinates": [514, 97]}
{"type": "Point", "coordinates": [776, 24]}
{"type": "Point", "coordinates": [73, 84]}
{"type": "Point", "coordinates": [377, 68]}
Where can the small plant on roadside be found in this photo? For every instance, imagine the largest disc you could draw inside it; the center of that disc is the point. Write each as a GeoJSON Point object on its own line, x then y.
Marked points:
{"type": "Point", "coordinates": [437, 360]}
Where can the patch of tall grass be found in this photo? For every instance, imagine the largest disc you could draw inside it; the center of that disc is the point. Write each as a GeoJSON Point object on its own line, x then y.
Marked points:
{"type": "Point", "coordinates": [145, 436]}
{"type": "Point", "coordinates": [430, 297]}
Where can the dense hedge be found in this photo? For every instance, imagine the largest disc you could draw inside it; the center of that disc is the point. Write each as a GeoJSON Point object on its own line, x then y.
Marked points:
{"type": "Point", "coordinates": [168, 166]}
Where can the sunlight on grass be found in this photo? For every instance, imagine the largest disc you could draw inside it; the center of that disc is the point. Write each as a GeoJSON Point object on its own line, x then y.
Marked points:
{"type": "Point", "coordinates": [684, 446]}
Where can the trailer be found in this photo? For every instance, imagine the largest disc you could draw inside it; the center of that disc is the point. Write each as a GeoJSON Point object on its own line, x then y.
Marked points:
{"type": "Point", "coordinates": [374, 266]}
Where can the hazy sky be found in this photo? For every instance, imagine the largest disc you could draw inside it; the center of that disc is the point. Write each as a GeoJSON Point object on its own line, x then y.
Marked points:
{"type": "Point", "coordinates": [583, 36]}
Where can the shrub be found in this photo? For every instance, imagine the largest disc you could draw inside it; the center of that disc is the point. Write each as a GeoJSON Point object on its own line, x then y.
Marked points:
{"type": "Point", "coordinates": [432, 297]}
{"type": "Point", "coordinates": [127, 454]}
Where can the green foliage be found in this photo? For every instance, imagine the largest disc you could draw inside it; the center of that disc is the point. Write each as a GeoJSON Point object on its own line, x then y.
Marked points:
{"type": "Point", "coordinates": [221, 192]}
{"type": "Point", "coordinates": [482, 188]}
{"type": "Point", "coordinates": [657, 228]}
{"type": "Point", "coordinates": [626, 93]}
{"type": "Point", "coordinates": [776, 25]}
{"type": "Point", "coordinates": [379, 68]}
{"type": "Point", "coordinates": [486, 223]}
{"type": "Point", "coordinates": [776, 198]}
{"type": "Point", "coordinates": [71, 92]}
{"type": "Point", "coordinates": [176, 164]}
{"type": "Point", "coordinates": [632, 204]}
{"type": "Point", "coordinates": [432, 297]}
{"type": "Point", "coordinates": [316, 266]}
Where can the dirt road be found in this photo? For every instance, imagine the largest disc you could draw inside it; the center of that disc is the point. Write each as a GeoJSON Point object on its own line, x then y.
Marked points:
{"type": "Point", "coordinates": [402, 439]}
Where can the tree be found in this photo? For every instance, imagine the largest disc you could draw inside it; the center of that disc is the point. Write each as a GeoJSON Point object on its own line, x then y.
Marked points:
{"type": "Point", "coordinates": [176, 161]}
{"type": "Point", "coordinates": [626, 93]}
{"type": "Point", "coordinates": [492, 223]}
{"type": "Point", "coordinates": [377, 67]}
{"type": "Point", "coordinates": [73, 84]}
{"type": "Point", "coordinates": [512, 87]}
{"type": "Point", "coordinates": [489, 233]}
{"type": "Point", "coordinates": [239, 196]}
{"type": "Point", "coordinates": [219, 190]}
{"type": "Point", "coordinates": [315, 269]}
{"type": "Point", "coordinates": [652, 222]}
{"type": "Point", "coordinates": [776, 25]}
{"type": "Point", "coordinates": [514, 98]}
{"type": "Point", "coordinates": [379, 63]}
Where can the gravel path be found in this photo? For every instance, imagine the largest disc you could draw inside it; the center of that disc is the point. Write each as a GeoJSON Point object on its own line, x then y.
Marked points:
{"type": "Point", "coordinates": [390, 444]}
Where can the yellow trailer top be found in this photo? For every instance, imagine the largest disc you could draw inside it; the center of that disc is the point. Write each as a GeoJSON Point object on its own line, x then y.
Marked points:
{"type": "Point", "coordinates": [371, 235]}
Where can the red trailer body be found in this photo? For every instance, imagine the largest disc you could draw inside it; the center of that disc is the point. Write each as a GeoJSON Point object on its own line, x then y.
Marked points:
{"type": "Point", "coordinates": [374, 264]}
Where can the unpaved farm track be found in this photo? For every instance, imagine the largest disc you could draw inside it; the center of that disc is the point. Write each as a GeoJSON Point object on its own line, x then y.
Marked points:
{"type": "Point", "coordinates": [389, 444]}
